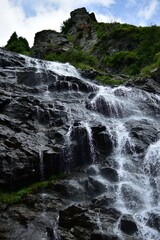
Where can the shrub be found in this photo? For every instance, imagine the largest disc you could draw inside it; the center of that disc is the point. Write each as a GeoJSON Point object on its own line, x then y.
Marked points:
{"type": "Point", "coordinates": [74, 56]}
{"type": "Point", "coordinates": [66, 26]}
{"type": "Point", "coordinates": [107, 80]}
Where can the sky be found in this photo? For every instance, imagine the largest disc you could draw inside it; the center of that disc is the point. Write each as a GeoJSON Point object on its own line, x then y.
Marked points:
{"type": "Point", "coordinates": [26, 17]}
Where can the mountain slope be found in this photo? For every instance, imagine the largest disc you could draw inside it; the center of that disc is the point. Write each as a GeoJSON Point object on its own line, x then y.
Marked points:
{"type": "Point", "coordinates": [113, 47]}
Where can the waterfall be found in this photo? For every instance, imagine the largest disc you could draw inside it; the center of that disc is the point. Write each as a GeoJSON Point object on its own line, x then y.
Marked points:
{"type": "Point", "coordinates": [99, 224]}
{"type": "Point", "coordinates": [152, 159]}
{"type": "Point", "coordinates": [41, 164]}
{"type": "Point", "coordinates": [108, 135]}
{"type": "Point", "coordinates": [62, 69]}
{"type": "Point", "coordinates": [69, 148]}
{"type": "Point", "coordinates": [55, 228]}
{"type": "Point", "coordinates": [90, 139]}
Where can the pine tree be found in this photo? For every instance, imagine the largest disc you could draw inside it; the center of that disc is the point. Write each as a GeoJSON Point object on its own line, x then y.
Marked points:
{"type": "Point", "coordinates": [18, 44]}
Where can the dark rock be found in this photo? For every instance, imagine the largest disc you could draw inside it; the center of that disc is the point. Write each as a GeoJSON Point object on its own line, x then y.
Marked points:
{"type": "Point", "coordinates": [107, 108]}
{"type": "Point", "coordinates": [102, 201]}
{"type": "Point", "coordinates": [34, 78]}
{"type": "Point", "coordinates": [4, 101]}
{"type": "Point", "coordinates": [147, 84]}
{"type": "Point", "coordinates": [48, 41]}
{"type": "Point", "coordinates": [92, 170]}
{"type": "Point", "coordinates": [83, 28]}
{"type": "Point", "coordinates": [154, 221]}
{"type": "Point", "coordinates": [112, 213]}
{"type": "Point", "coordinates": [75, 216]}
{"type": "Point", "coordinates": [96, 186]}
{"type": "Point", "coordinates": [110, 174]}
{"type": "Point", "coordinates": [90, 74]}
{"type": "Point", "coordinates": [21, 214]}
{"type": "Point", "coordinates": [80, 146]}
{"type": "Point", "coordinates": [102, 236]}
{"type": "Point", "coordinates": [143, 133]}
{"type": "Point", "coordinates": [128, 225]}
{"type": "Point", "coordinates": [102, 140]}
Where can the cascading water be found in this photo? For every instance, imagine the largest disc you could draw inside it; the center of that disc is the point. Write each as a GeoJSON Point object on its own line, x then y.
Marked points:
{"type": "Point", "coordinates": [62, 69]}
{"type": "Point", "coordinates": [115, 130]}
{"type": "Point", "coordinates": [90, 139]}
{"type": "Point", "coordinates": [41, 164]}
{"type": "Point", "coordinates": [134, 193]}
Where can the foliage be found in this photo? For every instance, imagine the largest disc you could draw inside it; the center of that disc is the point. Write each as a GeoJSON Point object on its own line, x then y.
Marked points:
{"type": "Point", "coordinates": [66, 26]}
{"type": "Point", "coordinates": [126, 48]}
{"type": "Point", "coordinates": [15, 197]}
{"type": "Point", "coordinates": [74, 56]}
{"type": "Point", "coordinates": [125, 60]}
{"type": "Point", "coordinates": [150, 69]}
{"type": "Point", "coordinates": [101, 30]}
{"type": "Point", "coordinates": [107, 80]}
{"type": "Point", "coordinates": [18, 44]}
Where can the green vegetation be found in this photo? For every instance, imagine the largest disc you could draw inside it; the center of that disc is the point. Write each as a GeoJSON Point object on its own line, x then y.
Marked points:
{"type": "Point", "coordinates": [126, 48]}
{"type": "Point", "coordinates": [15, 197]}
{"type": "Point", "coordinates": [107, 80]}
{"type": "Point", "coordinates": [76, 57]}
{"type": "Point", "coordinates": [119, 48]}
{"type": "Point", "coordinates": [150, 71]}
{"type": "Point", "coordinates": [123, 60]}
{"type": "Point", "coordinates": [18, 44]}
{"type": "Point", "coordinates": [66, 26]}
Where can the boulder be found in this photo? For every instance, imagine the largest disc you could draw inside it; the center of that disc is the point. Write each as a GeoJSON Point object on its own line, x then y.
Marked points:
{"type": "Point", "coordinates": [76, 216]}
{"type": "Point", "coordinates": [102, 140]}
{"type": "Point", "coordinates": [151, 85]}
{"type": "Point", "coordinates": [143, 133]}
{"type": "Point", "coordinates": [110, 174]}
{"type": "Point", "coordinates": [128, 225]}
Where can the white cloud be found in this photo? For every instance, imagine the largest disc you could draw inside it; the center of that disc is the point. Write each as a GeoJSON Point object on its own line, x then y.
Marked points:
{"type": "Point", "coordinates": [48, 14]}
{"type": "Point", "coordinates": [13, 18]}
{"type": "Point", "coordinates": [147, 12]}
{"type": "Point", "coordinates": [107, 18]}
{"type": "Point", "coordinates": [131, 3]}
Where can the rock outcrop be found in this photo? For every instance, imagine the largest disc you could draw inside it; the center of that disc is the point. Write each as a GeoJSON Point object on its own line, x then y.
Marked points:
{"type": "Point", "coordinates": [81, 30]}
{"type": "Point", "coordinates": [49, 41]}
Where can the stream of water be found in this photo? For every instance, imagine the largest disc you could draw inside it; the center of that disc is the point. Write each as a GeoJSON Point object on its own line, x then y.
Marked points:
{"type": "Point", "coordinates": [138, 189]}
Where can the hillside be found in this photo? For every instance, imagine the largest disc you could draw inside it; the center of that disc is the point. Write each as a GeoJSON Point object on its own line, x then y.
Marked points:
{"type": "Point", "coordinates": [109, 47]}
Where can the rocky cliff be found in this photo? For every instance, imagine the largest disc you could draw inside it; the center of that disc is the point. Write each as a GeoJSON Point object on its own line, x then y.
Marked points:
{"type": "Point", "coordinates": [112, 47]}
{"type": "Point", "coordinates": [101, 143]}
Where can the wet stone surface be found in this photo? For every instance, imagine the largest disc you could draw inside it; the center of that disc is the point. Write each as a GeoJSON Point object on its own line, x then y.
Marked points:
{"type": "Point", "coordinates": [104, 142]}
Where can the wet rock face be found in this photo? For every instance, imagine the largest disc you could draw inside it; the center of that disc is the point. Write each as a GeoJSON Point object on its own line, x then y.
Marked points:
{"type": "Point", "coordinates": [143, 133]}
{"type": "Point", "coordinates": [111, 157]}
{"type": "Point", "coordinates": [147, 84]}
{"type": "Point", "coordinates": [36, 112]}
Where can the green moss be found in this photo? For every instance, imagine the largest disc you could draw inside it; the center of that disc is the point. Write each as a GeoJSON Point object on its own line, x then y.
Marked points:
{"type": "Point", "coordinates": [18, 196]}
{"type": "Point", "coordinates": [107, 80]}
{"type": "Point", "coordinates": [15, 197]}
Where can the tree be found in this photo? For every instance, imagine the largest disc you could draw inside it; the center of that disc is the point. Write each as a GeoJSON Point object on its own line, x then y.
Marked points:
{"type": "Point", "coordinates": [18, 44]}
